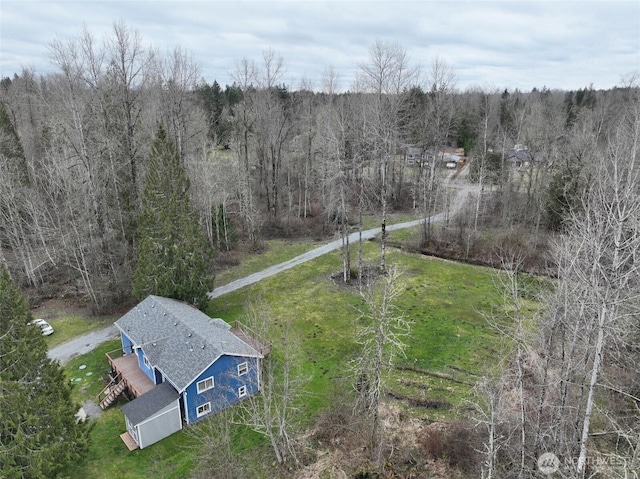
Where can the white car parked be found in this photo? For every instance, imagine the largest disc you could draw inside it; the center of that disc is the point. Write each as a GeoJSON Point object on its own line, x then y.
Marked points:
{"type": "Point", "coordinates": [44, 326]}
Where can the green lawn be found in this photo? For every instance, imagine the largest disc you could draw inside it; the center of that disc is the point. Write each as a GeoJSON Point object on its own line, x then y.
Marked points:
{"type": "Point", "coordinates": [68, 320]}
{"type": "Point", "coordinates": [444, 300]}
{"type": "Point", "coordinates": [68, 327]}
{"type": "Point", "coordinates": [276, 251]}
{"type": "Point", "coordinates": [108, 457]}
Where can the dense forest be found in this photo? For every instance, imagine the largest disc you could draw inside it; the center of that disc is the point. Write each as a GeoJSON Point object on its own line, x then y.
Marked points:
{"type": "Point", "coordinates": [265, 159]}
{"type": "Point", "coordinates": [83, 152]}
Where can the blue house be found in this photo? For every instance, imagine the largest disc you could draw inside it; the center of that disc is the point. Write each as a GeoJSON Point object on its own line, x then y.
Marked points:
{"type": "Point", "coordinates": [179, 365]}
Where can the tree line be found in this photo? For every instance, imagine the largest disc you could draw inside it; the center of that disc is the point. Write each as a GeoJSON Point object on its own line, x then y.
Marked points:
{"type": "Point", "coordinates": [263, 158]}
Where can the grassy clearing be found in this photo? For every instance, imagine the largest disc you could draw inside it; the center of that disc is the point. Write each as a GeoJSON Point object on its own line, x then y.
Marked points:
{"type": "Point", "coordinates": [277, 251]}
{"type": "Point", "coordinates": [68, 320]}
{"type": "Point", "coordinates": [69, 327]}
{"type": "Point", "coordinates": [444, 300]}
{"type": "Point", "coordinates": [319, 311]}
{"type": "Point", "coordinates": [449, 335]}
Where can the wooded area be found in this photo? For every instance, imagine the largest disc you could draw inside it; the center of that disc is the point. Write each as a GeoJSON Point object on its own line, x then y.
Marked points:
{"type": "Point", "coordinates": [265, 159]}
{"type": "Point", "coordinates": [85, 151]}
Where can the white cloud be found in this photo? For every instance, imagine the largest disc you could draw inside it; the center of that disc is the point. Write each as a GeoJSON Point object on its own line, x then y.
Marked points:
{"type": "Point", "coordinates": [514, 44]}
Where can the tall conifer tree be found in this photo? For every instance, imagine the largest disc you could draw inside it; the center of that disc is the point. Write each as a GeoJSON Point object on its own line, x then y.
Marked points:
{"type": "Point", "coordinates": [173, 255]}
{"type": "Point", "coordinates": [39, 436]}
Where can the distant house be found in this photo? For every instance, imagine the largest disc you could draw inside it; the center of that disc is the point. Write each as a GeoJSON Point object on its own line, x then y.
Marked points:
{"type": "Point", "coordinates": [179, 365]}
{"type": "Point", "coordinates": [444, 158]}
{"type": "Point", "coordinates": [413, 155]}
{"type": "Point", "coordinates": [520, 156]}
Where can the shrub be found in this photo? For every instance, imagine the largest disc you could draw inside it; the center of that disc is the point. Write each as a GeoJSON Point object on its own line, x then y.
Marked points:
{"type": "Point", "coordinates": [454, 444]}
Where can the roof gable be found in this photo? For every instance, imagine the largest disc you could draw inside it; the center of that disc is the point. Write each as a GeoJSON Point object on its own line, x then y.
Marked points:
{"type": "Point", "coordinates": [179, 339]}
{"type": "Point", "coordinates": [150, 403]}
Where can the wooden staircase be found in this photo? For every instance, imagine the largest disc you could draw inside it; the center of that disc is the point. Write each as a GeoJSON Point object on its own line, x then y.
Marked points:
{"type": "Point", "coordinates": [131, 444]}
{"type": "Point", "coordinates": [111, 391]}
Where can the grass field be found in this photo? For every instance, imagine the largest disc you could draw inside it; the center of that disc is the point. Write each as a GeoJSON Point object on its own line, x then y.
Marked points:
{"type": "Point", "coordinates": [444, 301]}
{"type": "Point", "coordinates": [68, 320]}
{"type": "Point", "coordinates": [276, 251]}
{"type": "Point", "coordinates": [69, 327]}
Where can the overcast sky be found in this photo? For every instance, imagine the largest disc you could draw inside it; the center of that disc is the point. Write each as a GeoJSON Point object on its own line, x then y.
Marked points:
{"type": "Point", "coordinates": [498, 44]}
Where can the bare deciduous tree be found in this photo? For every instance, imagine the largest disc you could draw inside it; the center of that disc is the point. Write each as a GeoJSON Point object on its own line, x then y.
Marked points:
{"type": "Point", "coordinates": [564, 371]}
{"type": "Point", "coordinates": [385, 78]}
{"type": "Point", "coordinates": [438, 122]}
{"type": "Point", "coordinates": [380, 330]}
{"type": "Point", "coordinates": [213, 447]}
{"type": "Point", "coordinates": [274, 412]}
{"type": "Point", "coordinates": [601, 253]}
{"type": "Point", "coordinates": [245, 76]}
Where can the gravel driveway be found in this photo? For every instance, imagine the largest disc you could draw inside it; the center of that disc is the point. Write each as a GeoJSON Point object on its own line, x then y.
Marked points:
{"type": "Point", "coordinates": [456, 204]}
{"type": "Point", "coordinates": [83, 344]}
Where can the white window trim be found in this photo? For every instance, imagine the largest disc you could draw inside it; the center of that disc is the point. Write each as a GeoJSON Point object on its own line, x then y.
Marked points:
{"type": "Point", "coordinates": [146, 361]}
{"type": "Point", "coordinates": [245, 367]}
{"type": "Point", "coordinates": [205, 388]}
{"type": "Point", "coordinates": [242, 391]}
{"type": "Point", "coordinates": [203, 409]}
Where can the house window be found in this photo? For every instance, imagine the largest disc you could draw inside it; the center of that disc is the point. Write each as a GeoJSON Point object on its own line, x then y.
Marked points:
{"type": "Point", "coordinates": [242, 391]}
{"type": "Point", "coordinates": [204, 409]}
{"type": "Point", "coordinates": [243, 368]}
{"type": "Point", "coordinates": [205, 385]}
{"type": "Point", "coordinates": [146, 362]}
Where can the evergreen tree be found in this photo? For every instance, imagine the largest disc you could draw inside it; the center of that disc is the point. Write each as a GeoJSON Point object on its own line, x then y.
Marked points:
{"type": "Point", "coordinates": [563, 197]}
{"type": "Point", "coordinates": [570, 110]}
{"type": "Point", "coordinates": [213, 100]}
{"type": "Point", "coordinates": [39, 435]}
{"type": "Point", "coordinates": [173, 255]}
{"type": "Point", "coordinates": [11, 152]}
{"type": "Point", "coordinates": [465, 134]}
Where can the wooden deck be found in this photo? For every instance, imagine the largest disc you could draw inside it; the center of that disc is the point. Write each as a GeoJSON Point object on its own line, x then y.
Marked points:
{"type": "Point", "coordinates": [247, 335]}
{"type": "Point", "coordinates": [137, 381]}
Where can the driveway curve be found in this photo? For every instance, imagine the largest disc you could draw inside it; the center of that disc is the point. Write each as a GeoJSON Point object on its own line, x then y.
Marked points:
{"type": "Point", "coordinates": [456, 205]}
{"type": "Point", "coordinates": [90, 341]}
{"type": "Point", "coordinates": [83, 344]}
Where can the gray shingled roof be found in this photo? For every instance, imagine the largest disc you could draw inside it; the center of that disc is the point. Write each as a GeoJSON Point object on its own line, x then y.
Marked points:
{"type": "Point", "coordinates": [524, 155]}
{"type": "Point", "coordinates": [150, 403]}
{"type": "Point", "coordinates": [179, 339]}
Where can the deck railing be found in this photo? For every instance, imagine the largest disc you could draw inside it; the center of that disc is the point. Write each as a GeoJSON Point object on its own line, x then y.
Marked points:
{"type": "Point", "coordinates": [116, 353]}
{"type": "Point", "coordinates": [258, 342]}
{"type": "Point", "coordinates": [120, 376]}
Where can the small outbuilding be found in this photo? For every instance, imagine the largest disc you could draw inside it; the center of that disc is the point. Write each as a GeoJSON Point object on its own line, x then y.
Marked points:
{"type": "Point", "coordinates": [153, 416]}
